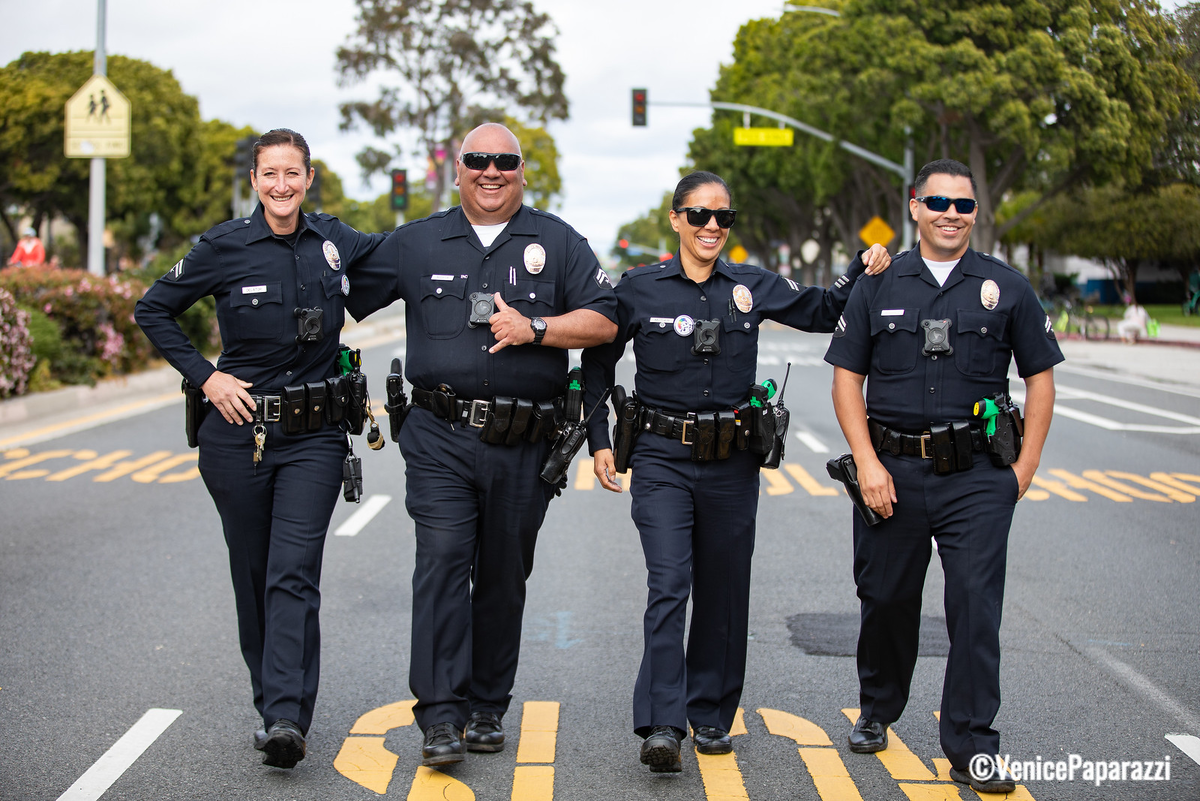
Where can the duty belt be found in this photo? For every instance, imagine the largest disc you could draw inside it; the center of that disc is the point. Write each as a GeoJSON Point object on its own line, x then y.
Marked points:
{"type": "Point", "coordinates": [679, 426]}
{"type": "Point", "coordinates": [268, 408]}
{"type": "Point", "coordinates": [899, 443]}
{"type": "Point", "coordinates": [949, 445]}
{"type": "Point", "coordinates": [501, 420]}
{"type": "Point", "coordinates": [452, 409]}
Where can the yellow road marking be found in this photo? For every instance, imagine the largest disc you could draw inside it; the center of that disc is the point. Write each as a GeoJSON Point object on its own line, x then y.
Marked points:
{"type": "Point", "coordinates": [942, 766]}
{"type": "Point", "coordinates": [125, 468]}
{"type": "Point", "coordinates": [1170, 490]}
{"type": "Point", "coordinates": [901, 763]}
{"type": "Point", "coordinates": [809, 483]}
{"type": "Point", "coordinates": [539, 731]}
{"type": "Point", "coordinates": [431, 785]}
{"type": "Point", "coordinates": [829, 774]}
{"type": "Point", "coordinates": [585, 477]}
{"type": "Point", "coordinates": [1101, 478]}
{"type": "Point", "coordinates": [100, 463]}
{"type": "Point", "coordinates": [722, 778]}
{"type": "Point", "coordinates": [91, 418]}
{"type": "Point", "coordinates": [794, 727]}
{"type": "Point", "coordinates": [777, 484]}
{"type": "Point", "coordinates": [739, 723]}
{"type": "Point", "coordinates": [1174, 479]}
{"type": "Point", "coordinates": [1078, 482]}
{"type": "Point", "coordinates": [150, 474]}
{"type": "Point", "coordinates": [1035, 495]}
{"type": "Point", "coordinates": [532, 782]}
{"type": "Point", "coordinates": [1060, 489]}
{"type": "Point", "coordinates": [12, 467]}
{"type": "Point", "coordinates": [385, 718]}
{"type": "Point", "coordinates": [930, 792]}
{"type": "Point", "coordinates": [365, 761]}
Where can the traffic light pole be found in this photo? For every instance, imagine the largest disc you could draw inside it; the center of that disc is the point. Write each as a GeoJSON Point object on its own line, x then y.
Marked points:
{"type": "Point", "coordinates": [905, 170]}
{"type": "Point", "coordinates": [96, 186]}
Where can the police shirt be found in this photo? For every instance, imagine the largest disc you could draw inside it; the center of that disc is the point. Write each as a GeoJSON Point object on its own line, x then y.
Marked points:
{"type": "Point", "coordinates": [659, 308]}
{"type": "Point", "coordinates": [993, 315]}
{"type": "Point", "coordinates": [538, 264]}
{"type": "Point", "coordinates": [258, 280]}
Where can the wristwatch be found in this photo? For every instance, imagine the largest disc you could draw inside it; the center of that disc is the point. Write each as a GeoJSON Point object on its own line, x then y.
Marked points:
{"type": "Point", "coordinates": [539, 329]}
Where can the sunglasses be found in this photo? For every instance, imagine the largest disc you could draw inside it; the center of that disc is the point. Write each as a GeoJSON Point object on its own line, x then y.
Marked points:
{"type": "Point", "coordinates": [963, 205]}
{"type": "Point", "coordinates": [505, 162]}
{"type": "Point", "coordinates": [699, 216]}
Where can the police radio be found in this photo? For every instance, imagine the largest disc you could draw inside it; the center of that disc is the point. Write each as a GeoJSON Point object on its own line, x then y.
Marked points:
{"type": "Point", "coordinates": [567, 445]}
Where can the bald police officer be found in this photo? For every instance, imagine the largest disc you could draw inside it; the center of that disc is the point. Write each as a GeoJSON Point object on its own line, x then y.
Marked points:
{"type": "Point", "coordinates": [935, 334]}
{"type": "Point", "coordinates": [476, 497]}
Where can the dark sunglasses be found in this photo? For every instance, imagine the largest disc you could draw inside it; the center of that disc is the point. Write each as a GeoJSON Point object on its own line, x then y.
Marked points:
{"type": "Point", "coordinates": [505, 162]}
{"type": "Point", "coordinates": [699, 216]}
{"type": "Point", "coordinates": [963, 205]}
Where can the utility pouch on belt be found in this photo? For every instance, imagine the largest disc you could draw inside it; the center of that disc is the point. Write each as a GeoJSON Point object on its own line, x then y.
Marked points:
{"type": "Point", "coordinates": [293, 420]}
{"type": "Point", "coordinates": [543, 422]}
{"type": "Point", "coordinates": [337, 396]}
{"type": "Point", "coordinates": [356, 409]}
{"type": "Point", "coordinates": [960, 432]}
{"type": "Point", "coordinates": [942, 443]}
{"type": "Point", "coordinates": [704, 440]}
{"type": "Point", "coordinates": [442, 399]}
{"type": "Point", "coordinates": [573, 397]}
{"type": "Point", "coordinates": [626, 429]}
{"type": "Point", "coordinates": [726, 431]}
{"type": "Point", "coordinates": [315, 392]}
{"type": "Point", "coordinates": [521, 417]}
{"type": "Point", "coordinates": [498, 420]}
{"type": "Point", "coordinates": [195, 407]}
{"type": "Point", "coordinates": [762, 421]}
{"type": "Point", "coordinates": [844, 470]}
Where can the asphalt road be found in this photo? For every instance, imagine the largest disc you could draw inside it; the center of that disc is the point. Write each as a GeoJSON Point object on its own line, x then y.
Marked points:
{"type": "Point", "coordinates": [115, 600]}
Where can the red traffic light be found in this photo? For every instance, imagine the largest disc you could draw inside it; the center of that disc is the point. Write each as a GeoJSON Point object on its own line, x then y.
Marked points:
{"type": "Point", "coordinates": [623, 243]}
{"type": "Point", "coordinates": [639, 107]}
{"type": "Point", "coordinates": [399, 190]}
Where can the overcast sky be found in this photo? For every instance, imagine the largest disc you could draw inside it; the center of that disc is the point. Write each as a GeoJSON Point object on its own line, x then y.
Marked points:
{"type": "Point", "coordinates": [270, 64]}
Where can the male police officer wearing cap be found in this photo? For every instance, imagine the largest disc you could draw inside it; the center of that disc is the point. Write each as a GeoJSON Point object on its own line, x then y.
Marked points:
{"type": "Point", "coordinates": [478, 505]}
{"type": "Point", "coordinates": [935, 334]}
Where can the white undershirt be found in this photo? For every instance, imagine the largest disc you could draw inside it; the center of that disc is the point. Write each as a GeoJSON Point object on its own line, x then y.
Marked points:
{"type": "Point", "coordinates": [488, 233]}
{"type": "Point", "coordinates": [941, 269]}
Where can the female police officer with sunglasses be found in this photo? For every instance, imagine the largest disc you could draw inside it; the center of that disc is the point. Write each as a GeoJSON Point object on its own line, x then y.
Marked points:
{"type": "Point", "coordinates": [279, 280]}
{"type": "Point", "coordinates": [694, 324]}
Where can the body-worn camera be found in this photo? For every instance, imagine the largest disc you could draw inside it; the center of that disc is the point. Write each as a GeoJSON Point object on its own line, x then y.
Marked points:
{"type": "Point", "coordinates": [937, 337]}
{"type": "Point", "coordinates": [483, 306]}
{"type": "Point", "coordinates": [309, 325]}
{"type": "Point", "coordinates": [706, 338]}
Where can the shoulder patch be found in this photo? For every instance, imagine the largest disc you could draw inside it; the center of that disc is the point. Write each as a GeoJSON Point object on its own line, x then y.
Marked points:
{"type": "Point", "coordinates": [840, 331]}
{"type": "Point", "coordinates": [602, 278]}
{"type": "Point", "coordinates": [794, 286]}
{"type": "Point", "coordinates": [176, 272]}
{"type": "Point", "coordinates": [1049, 328]}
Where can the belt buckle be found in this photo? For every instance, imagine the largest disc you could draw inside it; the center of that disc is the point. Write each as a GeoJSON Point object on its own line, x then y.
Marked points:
{"type": "Point", "coordinates": [477, 415]}
{"type": "Point", "coordinates": [690, 420]}
{"type": "Point", "coordinates": [925, 438]}
{"type": "Point", "coordinates": [272, 409]}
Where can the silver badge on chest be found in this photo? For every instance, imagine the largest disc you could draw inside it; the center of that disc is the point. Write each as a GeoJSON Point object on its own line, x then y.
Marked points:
{"type": "Point", "coordinates": [331, 255]}
{"type": "Point", "coordinates": [989, 294]}
{"type": "Point", "coordinates": [535, 258]}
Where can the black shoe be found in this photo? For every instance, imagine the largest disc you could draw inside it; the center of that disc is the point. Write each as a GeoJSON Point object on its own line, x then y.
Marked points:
{"type": "Point", "coordinates": [867, 737]}
{"type": "Point", "coordinates": [260, 739]}
{"type": "Point", "coordinates": [284, 745]}
{"type": "Point", "coordinates": [711, 740]}
{"type": "Point", "coordinates": [443, 745]}
{"type": "Point", "coordinates": [484, 732]}
{"type": "Point", "coordinates": [661, 750]}
{"type": "Point", "coordinates": [994, 780]}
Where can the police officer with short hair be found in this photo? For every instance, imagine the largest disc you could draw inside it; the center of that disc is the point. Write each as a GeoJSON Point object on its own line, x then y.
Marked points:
{"type": "Point", "coordinates": [694, 323]}
{"type": "Point", "coordinates": [273, 468]}
{"type": "Point", "coordinates": [495, 292]}
{"type": "Point", "coordinates": [931, 339]}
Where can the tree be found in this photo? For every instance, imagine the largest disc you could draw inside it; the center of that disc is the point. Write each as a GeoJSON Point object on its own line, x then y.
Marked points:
{"type": "Point", "coordinates": [652, 230]}
{"type": "Point", "coordinates": [452, 57]}
{"type": "Point", "coordinates": [160, 176]}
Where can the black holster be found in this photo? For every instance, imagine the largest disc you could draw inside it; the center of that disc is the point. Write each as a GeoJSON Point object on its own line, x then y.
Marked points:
{"type": "Point", "coordinates": [626, 428]}
{"type": "Point", "coordinates": [844, 470]}
{"type": "Point", "coordinates": [781, 419]}
{"type": "Point", "coordinates": [195, 408]}
{"type": "Point", "coordinates": [1004, 446]}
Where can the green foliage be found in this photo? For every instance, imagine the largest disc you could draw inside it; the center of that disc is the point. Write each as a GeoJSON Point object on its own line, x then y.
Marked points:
{"type": "Point", "coordinates": [47, 350]}
{"type": "Point", "coordinates": [199, 322]}
{"type": "Point", "coordinates": [652, 229]}
{"type": "Point", "coordinates": [94, 315]}
{"type": "Point", "coordinates": [541, 163]}
{"type": "Point", "coordinates": [449, 56]}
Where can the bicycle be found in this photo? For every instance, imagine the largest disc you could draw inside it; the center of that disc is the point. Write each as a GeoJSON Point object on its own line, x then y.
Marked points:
{"type": "Point", "coordinates": [1070, 319]}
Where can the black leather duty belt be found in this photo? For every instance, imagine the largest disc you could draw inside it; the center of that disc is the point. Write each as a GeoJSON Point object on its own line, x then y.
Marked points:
{"type": "Point", "coordinates": [268, 408]}
{"type": "Point", "coordinates": [680, 427]}
{"type": "Point", "coordinates": [899, 443]}
{"type": "Point", "coordinates": [452, 409]}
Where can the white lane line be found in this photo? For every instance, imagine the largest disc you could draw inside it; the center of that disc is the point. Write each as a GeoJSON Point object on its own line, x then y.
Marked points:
{"type": "Point", "coordinates": [358, 521]}
{"type": "Point", "coordinates": [1188, 744]}
{"type": "Point", "coordinates": [1146, 687]}
{"type": "Point", "coordinates": [1132, 380]}
{"type": "Point", "coordinates": [815, 445]}
{"type": "Point", "coordinates": [1070, 393]}
{"type": "Point", "coordinates": [124, 752]}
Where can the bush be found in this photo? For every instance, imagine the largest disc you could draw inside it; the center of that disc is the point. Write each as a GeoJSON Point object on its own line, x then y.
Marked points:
{"type": "Point", "coordinates": [199, 322]}
{"type": "Point", "coordinates": [94, 316]}
{"type": "Point", "coordinates": [47, 350]}
{"type": "Point", "coordinates": [16, 347]}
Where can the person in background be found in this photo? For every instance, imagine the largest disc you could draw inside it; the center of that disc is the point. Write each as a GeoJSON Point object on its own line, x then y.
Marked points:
{"type": "Point", "coordinates": [1133, 324]}
{"type": "Point", "coordinates": [29, 251]}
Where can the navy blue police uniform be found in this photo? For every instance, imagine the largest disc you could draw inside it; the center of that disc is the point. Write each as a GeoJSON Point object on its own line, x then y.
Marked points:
{"type": "Point", "coordinates": [995, 317]}
{"type": "Point", "coordinates": [696, 519]}
{"type": "Point", "coordinates": [477, 507]}
{"type": "Point", "coordinates": [274, 513]}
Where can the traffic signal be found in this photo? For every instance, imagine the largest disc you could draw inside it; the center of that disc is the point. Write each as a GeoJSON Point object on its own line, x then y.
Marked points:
{"type": "Point", "coordinates": [623, 243]}
{"type": "Point", "coordinates": [639, 107]}
{"type": "Point", "coordinates": [399, 190]}
{"type": "Point", "coordinates": [244, 157]}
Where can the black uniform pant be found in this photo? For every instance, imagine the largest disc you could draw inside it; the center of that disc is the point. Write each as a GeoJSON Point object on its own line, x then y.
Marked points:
{"type": "Point", "coordinates": [477, 509]}
{"type": "Point", "coordinates": [275, 516]}
{"type": "Point", "coordinates": [969, 515]}
{"type": "Point", "coordinates": [696, 521]}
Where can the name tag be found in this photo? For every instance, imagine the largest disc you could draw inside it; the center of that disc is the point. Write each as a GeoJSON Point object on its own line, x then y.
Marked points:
{"type": "Point", "coordinates": [254, 290]}
{"type": "Point", "coordinates": [662, 320]}
{"type": "Point", "coordinates": [442, 277]}
{"type": "Point", "coordinates": [892, 313]}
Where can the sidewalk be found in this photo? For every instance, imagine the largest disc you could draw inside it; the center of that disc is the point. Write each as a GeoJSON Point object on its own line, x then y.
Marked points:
{"type": "Point", "coordinates": [1172, 358]}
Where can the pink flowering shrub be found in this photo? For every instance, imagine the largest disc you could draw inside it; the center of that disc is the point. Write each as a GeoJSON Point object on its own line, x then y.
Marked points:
{"type": "Point", "coordinates": [16, 351]}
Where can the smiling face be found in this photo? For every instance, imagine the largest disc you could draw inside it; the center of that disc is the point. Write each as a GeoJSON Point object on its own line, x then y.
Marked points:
{"type": "Point", "coordinates": [700, 247]}
{"type": "Point", "coordinates": [944, 234]}
{"type": "Point", "coordinates": [281, 181]}
{"type": "Point", "coordinates": [490, 196]}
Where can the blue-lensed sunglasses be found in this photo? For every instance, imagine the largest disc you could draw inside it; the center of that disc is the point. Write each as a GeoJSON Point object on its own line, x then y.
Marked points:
{"type": "Point", "coordinates": [963, 205]}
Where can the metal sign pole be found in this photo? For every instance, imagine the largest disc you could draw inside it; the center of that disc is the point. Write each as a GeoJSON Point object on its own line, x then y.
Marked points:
{"type": "Point", "coordinates": [96, 191]}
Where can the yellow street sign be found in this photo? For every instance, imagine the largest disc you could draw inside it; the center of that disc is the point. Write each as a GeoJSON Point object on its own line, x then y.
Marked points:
{"type": "Point", "coordinates": [876, 232]}
{"type": "Point", "coordinates": [738, 254]}
{"type": "Point", "coordinates": [764, 137]}
{"type": "Point", "coordinates": [97, 122]}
